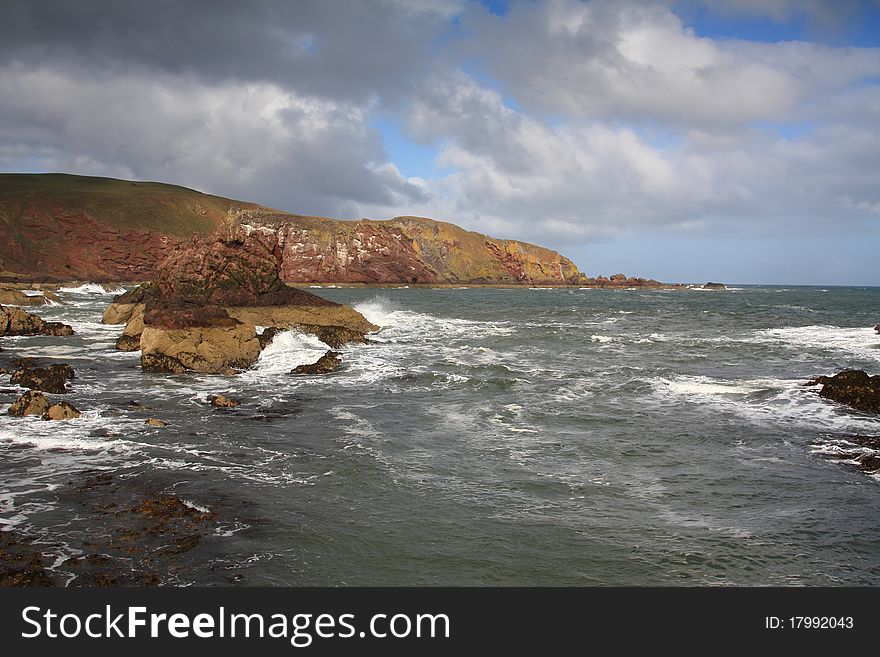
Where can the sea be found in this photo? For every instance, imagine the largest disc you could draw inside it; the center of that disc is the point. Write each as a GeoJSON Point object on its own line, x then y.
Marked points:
{"type": "Point", "coordinates": [530, 436]}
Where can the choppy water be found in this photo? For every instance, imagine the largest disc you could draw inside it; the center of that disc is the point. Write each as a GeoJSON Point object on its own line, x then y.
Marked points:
{"type": "Point", "coordinates": [561, 437]}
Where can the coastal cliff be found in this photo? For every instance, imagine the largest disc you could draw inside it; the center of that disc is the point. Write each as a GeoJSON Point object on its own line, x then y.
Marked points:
{"type": "Point", "coordinates": [58, 227]}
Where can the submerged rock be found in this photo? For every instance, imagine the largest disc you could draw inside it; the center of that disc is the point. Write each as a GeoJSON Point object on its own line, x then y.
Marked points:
{"type": "Point", "coordinates": [862, 452]}
{"type": "Point", "coordinates": [324, 365]}
{"type": "Point", "coordinates": [154, 422]}
{"type": "Point", "coordinates": [47, 379]}
{"type": "Point", "coordinates": [61, 411]}
{"type": "Point", "coordinates": [854, 388]}
{"type": "Point", "coordinates": [30, 403]}
{"type": "Point", "coordinates": [21, 563]}
{"type": "Point", "coordinates": [15, 321]}
{"type": "Point", "coordinates": [222, 401]}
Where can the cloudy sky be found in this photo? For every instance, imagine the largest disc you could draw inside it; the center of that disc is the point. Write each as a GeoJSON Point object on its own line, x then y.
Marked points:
{"type": "Point", "coordinates": [734, 140]}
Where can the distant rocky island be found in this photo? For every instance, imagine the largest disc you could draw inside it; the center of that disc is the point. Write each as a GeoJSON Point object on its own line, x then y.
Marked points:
{"type": "Point", "coordinates": [60, 227]}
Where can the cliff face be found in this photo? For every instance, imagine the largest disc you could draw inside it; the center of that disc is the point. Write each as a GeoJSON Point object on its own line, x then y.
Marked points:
{"type": "Point", "coordinates": [55, 227]}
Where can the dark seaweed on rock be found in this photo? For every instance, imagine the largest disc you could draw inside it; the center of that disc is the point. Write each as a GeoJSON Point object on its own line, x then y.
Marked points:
{"type": "Point", "coordinates": [854, 388]}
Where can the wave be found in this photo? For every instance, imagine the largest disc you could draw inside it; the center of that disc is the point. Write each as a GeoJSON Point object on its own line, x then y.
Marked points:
{"type": "Point", "coordinates": [861, 342]}
{"type": "Point", "coordinates": [286, 351]}
{"type": "Point", "coordinates": [378, 310]}
{"type": "Point", "coordinates": [90, 288]}
{"type": "Point", "coordinates": [767, 401]}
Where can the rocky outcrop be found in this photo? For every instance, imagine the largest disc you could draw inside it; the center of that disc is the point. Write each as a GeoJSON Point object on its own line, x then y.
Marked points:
{"type": "Point", "coordinates": [327, 363]}
{"type": "Point", "coordinates": [30, 403]}
{"type": "Point", "coordinates": [15, 321]}
{"type": "Point", "coordinates": [209, 296]}
{"type": "Point", "coordinates": [61, 411]}
{"type": "Point", "coordinates": [46, 379]}
{"type": "Point", "coordinates": [854, 388]}
{"type": "Point", "coordinates": [622, 281]}
{"type": "Point", "coordinates": [16, 297]}
{"type": "Point", "coordinates": [114, 230]}
{"type": "Point", "coordinates": [714, 286]}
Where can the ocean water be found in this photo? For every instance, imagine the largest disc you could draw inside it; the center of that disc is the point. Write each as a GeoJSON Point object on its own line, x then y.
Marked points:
{"type": "Point", "coordinates": [488, 437]}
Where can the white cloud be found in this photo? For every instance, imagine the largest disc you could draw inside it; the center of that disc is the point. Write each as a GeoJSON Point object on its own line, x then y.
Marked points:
{"type": "Point", "coordinates": [638, 61]}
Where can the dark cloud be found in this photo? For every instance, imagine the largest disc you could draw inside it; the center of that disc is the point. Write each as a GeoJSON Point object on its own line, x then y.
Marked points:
{"type": "Point", "coordinates": [332, 48]}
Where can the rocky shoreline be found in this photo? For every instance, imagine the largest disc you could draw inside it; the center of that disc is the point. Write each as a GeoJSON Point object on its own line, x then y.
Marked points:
{"type": "Point", "coordinates": [138, 536]}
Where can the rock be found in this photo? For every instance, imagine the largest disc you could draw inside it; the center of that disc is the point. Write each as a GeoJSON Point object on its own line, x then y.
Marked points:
{"type": "Point", "coordinates": [213, 350]}
{"type": "Point", "coordinates": [154, 422]}
{"type": "Point", "coordinates": [222, 401]}
{"type": "Point", "coordinates": [324, 365]}
{"type": "Point", "coordinates": [61, 411]}
{"type": "Point", "coordinates": [15, 321]}
{"type": "Point", "coordinates": [714, 286]}
{"type": "Point", "coordinates": [15, 297]}
{"type": "Point", "coordinates": [854, 388]}
{"type": "Point", "coordinates": [333, 336]}
{"type": "Point", "coordinates": [47, 379]}
{"type": "Point", "coordinates": [877, 328]}
{"type": "Point", "coordinates": [56, 329]}
{"type": "Point", "coordinates": [267, 336]}
{"type": "Point", "coordinates": [22, 562]}
{"type": "Point", "coordinates": [128, 342]}
{"type": "Point", "coordinates": [30, 403]}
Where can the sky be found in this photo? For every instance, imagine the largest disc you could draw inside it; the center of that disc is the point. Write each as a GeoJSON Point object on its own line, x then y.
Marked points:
{"type": "Point", "coordinates": [686, 141]}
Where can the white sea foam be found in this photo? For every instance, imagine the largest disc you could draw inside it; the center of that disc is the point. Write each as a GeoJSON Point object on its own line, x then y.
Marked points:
{"type": "Point", "coordinates": [769, 401]}
{"type": "Point", "coordinates": [90, 288]}
{"type": "Point", "coordinates": [861, 342]}
{"type": "Point", "coordinates": [33, 293]}
{"type": "Point", "coordinates": [703, 385]}
{"type": "Point", "coordinates": [286, 351]}
{"type": "Point", "coordinates": [601, 338]}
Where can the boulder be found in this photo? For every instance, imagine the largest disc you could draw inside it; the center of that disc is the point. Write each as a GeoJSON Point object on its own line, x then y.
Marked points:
{"type": "Point", "coordinates": [30, 403]}
{"type": "Point", "coordinates": [15, 321]}
{"type": "Point", "coordinates": [714, 286]}
{"type": "Point", "coordinates": [46, 379]}
{"type": "Point", "coordinates": [154, 422]}
{"type": "Point", "coordinates": [213, 350]}
{"type": "Point", "coordinates": [61, 411]}
{"type": "Point", "coordinates": [324, 365]}
{"type": "Point", "coordinates": [854, 388]}
{"type": "Point", "coordinates": [222, 401]}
